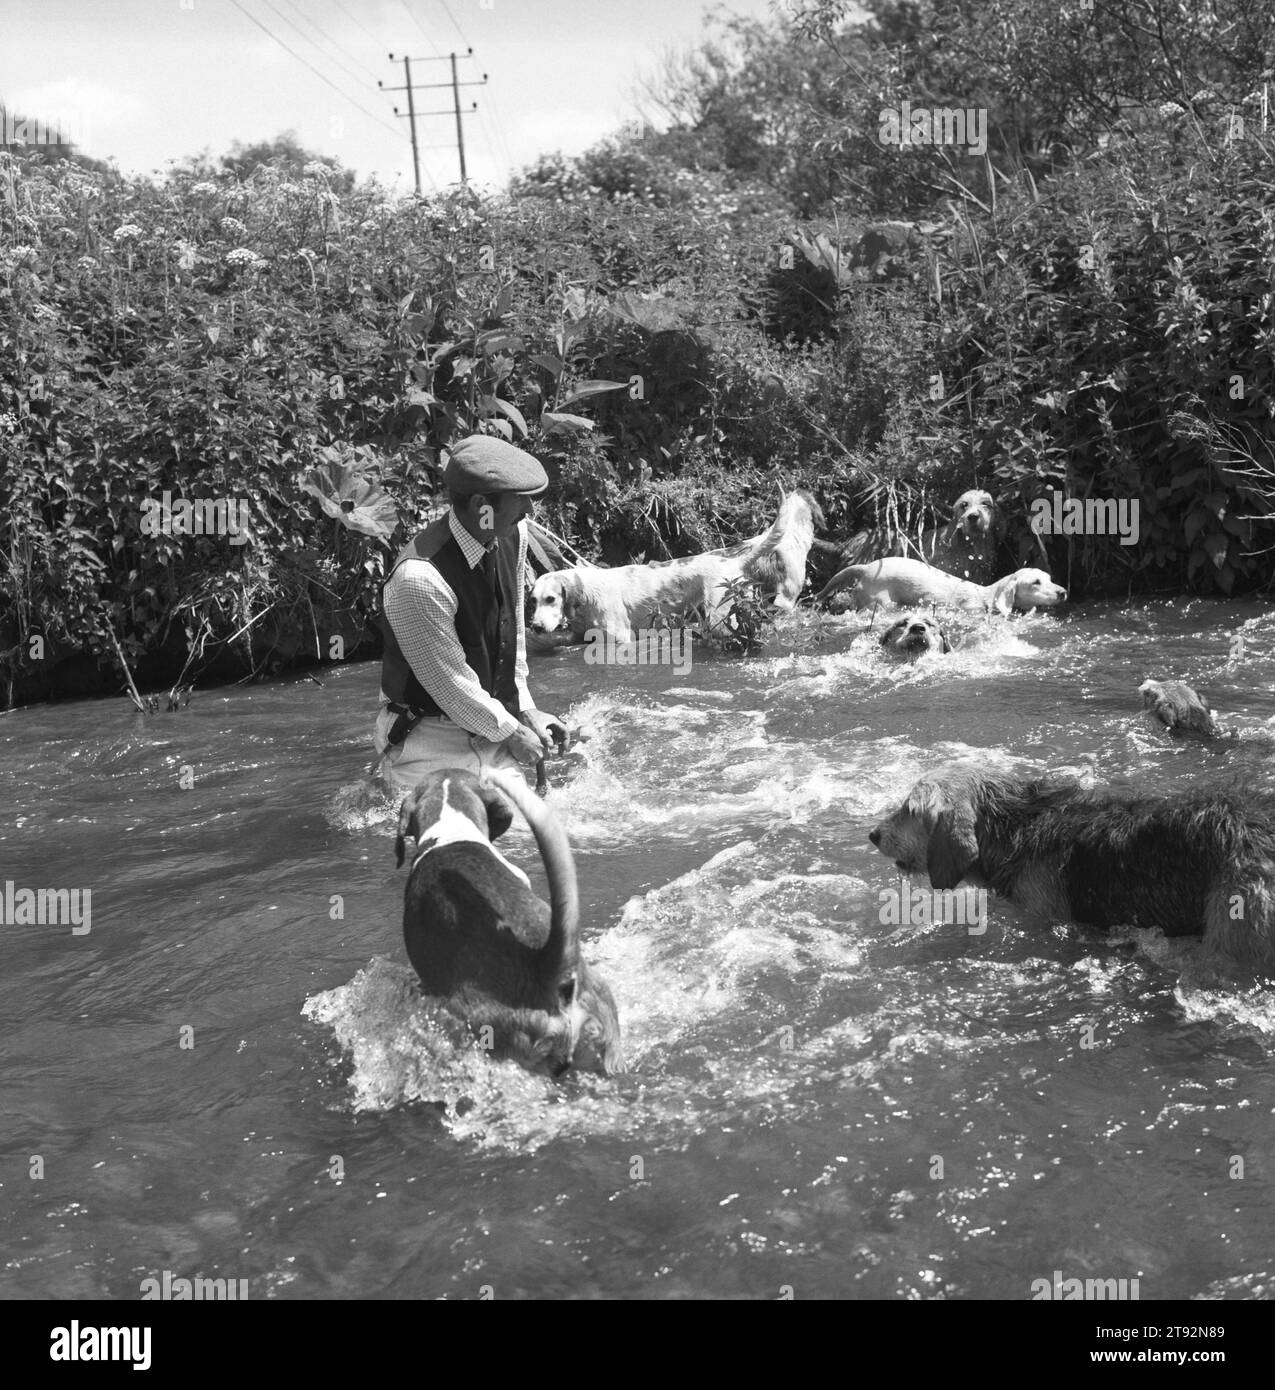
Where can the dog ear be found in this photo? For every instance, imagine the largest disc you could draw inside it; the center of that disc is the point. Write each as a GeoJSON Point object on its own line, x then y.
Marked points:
{"type": "Point", "coordinates": [947, 646]}
{"type": "Point", "coordinates": [500, 814]}
{"type": "Point", "coordinates": [997, 528]}
{"type": "Point", "coordinates": [570, 604]}
{"type": "Point", "coordinates": [408, 824]}
{"type": "Point", "coordinates": [953, 847]}
{"type": "Point", "coordinates": [597, 1044]}
{"type": "Point", "coordinates": [1003, 596]}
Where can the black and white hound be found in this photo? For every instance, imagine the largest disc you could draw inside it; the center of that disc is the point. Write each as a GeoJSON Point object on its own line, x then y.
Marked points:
{"type": "Point", "coordinates": [484, 943]}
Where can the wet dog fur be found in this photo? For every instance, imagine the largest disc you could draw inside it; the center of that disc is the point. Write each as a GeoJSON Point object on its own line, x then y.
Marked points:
{"type": "Point", "coordinates": [909, 583]}
{"type": "Point", "coordinates": [623, 601]}
{"type": "Point", "coordinates": [965, 546]}
{"type": "Point", "coordinates": [914, 635]}
{"type": "Point", "coordinates": [1175, 706]}
{"type": "Point", "coordinates": [481, 940]}
{"type": "Point", "coordinates": [1198, 864]}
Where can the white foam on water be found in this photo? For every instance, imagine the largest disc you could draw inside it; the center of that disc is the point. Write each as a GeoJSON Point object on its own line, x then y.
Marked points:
{"type": "Point", "coordinates": [776, 926]}
{"type": "Point", "coordinates": [980, 648]}
{"type": "Point", "coordinates": [718, 697]}
{"type": "Point", "coordinates": [690, 964]}
{"type": "Point", "coordinates": [1250, 1009]}
{"type": "Point", "coordinates": [684, 954]}
{"type": "Point", "coordinates": [679, 771]}
{"type": "Point", "coordinates": [403, 1048]}
{"type": "Point", "coordinates": [1258, 1286]}
{"type": "Point", "coordinates": [362, 805]}
{"type": "Point", "coordinates": [676, 770]}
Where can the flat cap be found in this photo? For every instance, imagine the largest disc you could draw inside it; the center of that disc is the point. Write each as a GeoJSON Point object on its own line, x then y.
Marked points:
{"type": "Point", "coordinates": [483, 463]}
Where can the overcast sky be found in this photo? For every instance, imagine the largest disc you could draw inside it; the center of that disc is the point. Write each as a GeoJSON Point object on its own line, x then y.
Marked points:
{"type": "Point", "coordinates": [148, 81]}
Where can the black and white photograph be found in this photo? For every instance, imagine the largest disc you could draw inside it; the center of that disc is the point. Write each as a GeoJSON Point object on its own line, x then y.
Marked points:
{"type": "Point", "coordinates": [637, 659]}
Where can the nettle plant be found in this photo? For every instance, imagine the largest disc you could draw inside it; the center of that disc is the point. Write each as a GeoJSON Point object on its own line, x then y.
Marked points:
{"type": "Point", "coordinates": [744, 621]}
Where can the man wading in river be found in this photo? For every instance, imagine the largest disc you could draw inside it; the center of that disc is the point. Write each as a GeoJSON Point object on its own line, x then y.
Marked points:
{"type": "Point", "coordinates": [454, 675]}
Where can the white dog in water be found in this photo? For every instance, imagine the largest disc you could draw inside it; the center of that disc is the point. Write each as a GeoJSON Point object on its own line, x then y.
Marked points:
{"type": "Point", "coordinates": [911, 584]}
{"type": "Point", "coordinates": [625, 601]}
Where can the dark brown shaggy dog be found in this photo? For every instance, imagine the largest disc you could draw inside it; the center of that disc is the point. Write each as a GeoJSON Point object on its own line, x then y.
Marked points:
{"type": "Point", "coordinates": [1198, 864]}
{"type": "Point", "coordinates": [1179, 709]}
{"type": "Point", "coordinates": [484, 943]}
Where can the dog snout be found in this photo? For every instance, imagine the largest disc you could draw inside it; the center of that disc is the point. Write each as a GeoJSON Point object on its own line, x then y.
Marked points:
{"type": "Point", "coordinates": [875, 837]}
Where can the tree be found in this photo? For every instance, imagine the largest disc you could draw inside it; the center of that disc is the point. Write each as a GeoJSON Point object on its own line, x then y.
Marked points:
{"type": "Point", "coordinates": [1059, 78]}
{"type": "Point", "coordinates": [285, 151]}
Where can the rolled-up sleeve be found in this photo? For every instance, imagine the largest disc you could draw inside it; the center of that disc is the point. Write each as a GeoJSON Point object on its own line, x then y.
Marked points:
{"type": "Point", "coordinates": [422, 610]}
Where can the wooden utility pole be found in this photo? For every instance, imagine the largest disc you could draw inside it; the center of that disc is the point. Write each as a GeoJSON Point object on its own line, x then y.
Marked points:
{"type": "Point", "coordinates": [411, 113]}
{"type": "Point", "coordinates": [460, 130]}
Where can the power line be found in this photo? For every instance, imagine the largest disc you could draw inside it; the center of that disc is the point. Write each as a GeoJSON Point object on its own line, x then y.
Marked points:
{"type": "Point", "coordinates": [328, 39]}
{"type": "Point", "coordinates": [313, 69]}
{"type": "Point", "coordinates": [428, 39]}
{"type": "Point", "coordinates": [359, 22]}
{"type": "Point", "coordinates": [411, 113]}
{"type": "Point", "coordinates": [380, 44]}
{"type": "Point", "coordinates": [488, 126]}
{"type": "Point", "coordinates": [452, 17]}
{"type": "Point", "coordinates": [423, 30]}
{"type": "Point", "coordinates": [490, 121]}
{"type": "Point", "coordinates": [498, 124]}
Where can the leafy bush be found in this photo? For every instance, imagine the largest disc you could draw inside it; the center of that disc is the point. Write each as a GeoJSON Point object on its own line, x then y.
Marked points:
{"type": "Point", "coordinates": [1108, 340]}
{"type": "Point", "coordinates": [313, 348]}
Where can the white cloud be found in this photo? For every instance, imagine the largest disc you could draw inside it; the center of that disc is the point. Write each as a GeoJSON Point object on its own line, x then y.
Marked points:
{"type": "Point", "coordinates": [569, 129]}
{"type": "Point", "coordinates": [86, 112]}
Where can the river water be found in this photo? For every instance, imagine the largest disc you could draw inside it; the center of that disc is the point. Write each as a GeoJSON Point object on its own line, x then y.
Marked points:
{"type": "Point", "coordinates": [231, 1076]}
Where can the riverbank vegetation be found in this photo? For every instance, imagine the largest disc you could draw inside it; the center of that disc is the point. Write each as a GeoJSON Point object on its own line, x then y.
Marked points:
{"type": "Point", "coordinates": [757, 292]}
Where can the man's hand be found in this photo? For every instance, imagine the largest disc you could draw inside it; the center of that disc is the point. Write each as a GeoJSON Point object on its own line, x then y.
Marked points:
{"type": "Point", "coordinates": [525, 746]}
{"type": "Point", "coordinates": [548, 728]}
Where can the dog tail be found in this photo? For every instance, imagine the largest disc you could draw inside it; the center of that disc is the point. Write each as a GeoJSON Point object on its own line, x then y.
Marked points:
{"type": "Point", "coordinates": [771, 537]}
{"type": "Point", "coordinates": [791, 505]}
{"type": "Point", "coordinates": [765, 563]}
{"type": "Point", "coordinates": [766, 569]}
{"type": "Point", "coordinates": [841, 580]}
{"type": "Point", "coordinates": [555, 852]}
